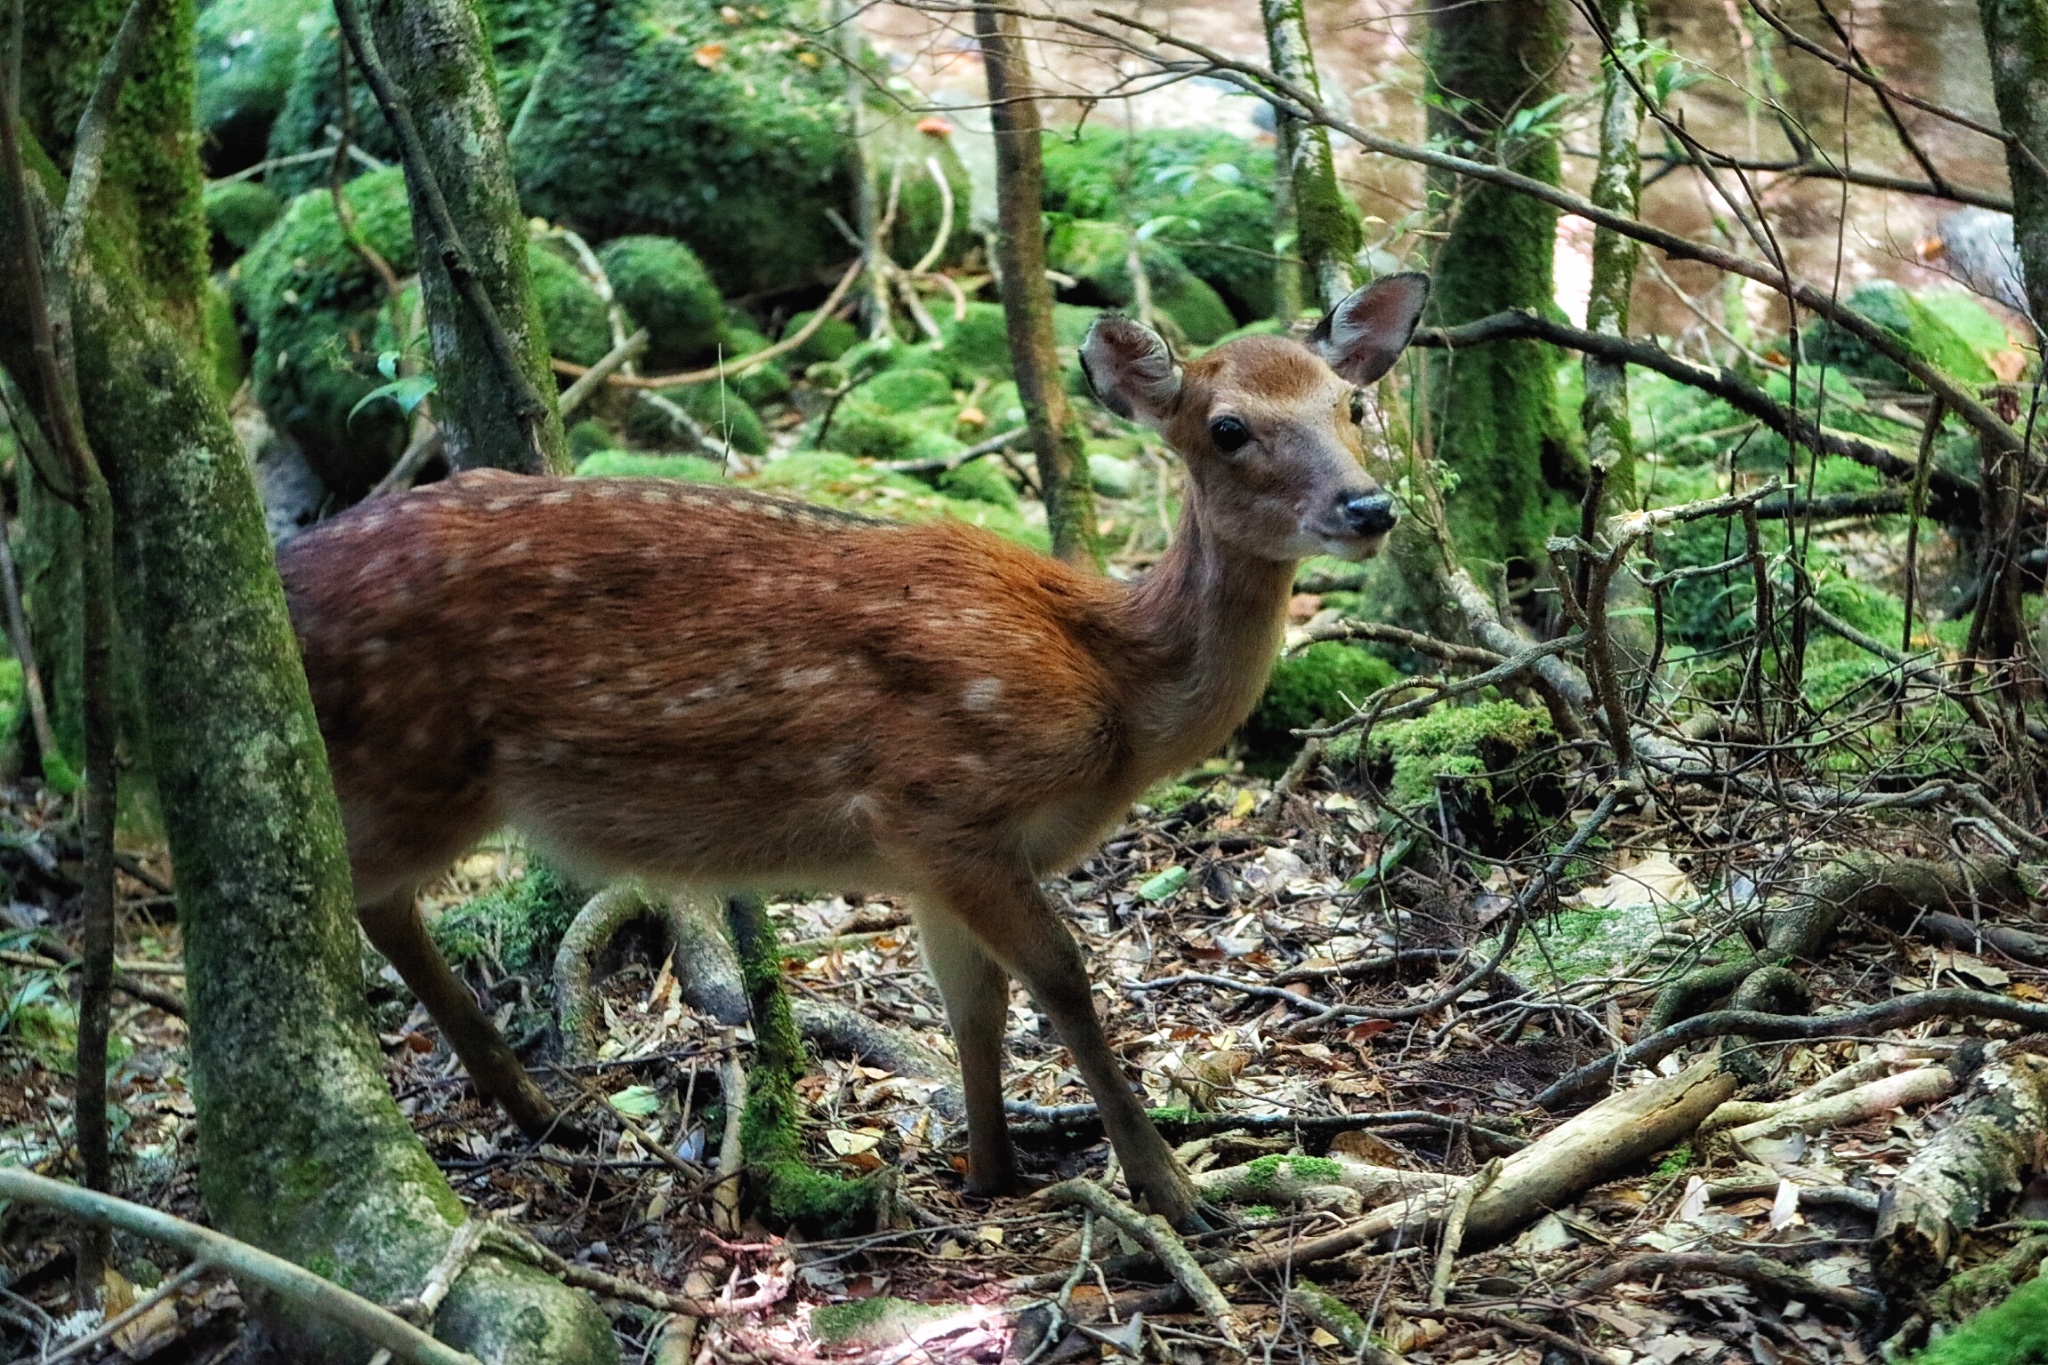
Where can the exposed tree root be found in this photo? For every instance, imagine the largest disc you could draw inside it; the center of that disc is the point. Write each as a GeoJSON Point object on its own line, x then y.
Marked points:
{"type": "Point", "coordinates": [706, 971]}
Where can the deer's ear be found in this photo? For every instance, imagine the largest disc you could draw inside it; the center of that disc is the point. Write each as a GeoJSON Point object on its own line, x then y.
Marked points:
{"type": "Point", "coordinates": [1364, 335]}
{"type": "Point", "coordinates": [1130, 368]}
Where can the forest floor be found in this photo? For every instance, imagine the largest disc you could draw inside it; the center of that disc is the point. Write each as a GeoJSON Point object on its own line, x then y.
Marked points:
{"type": "Point", "coordinates": [1236, 886]}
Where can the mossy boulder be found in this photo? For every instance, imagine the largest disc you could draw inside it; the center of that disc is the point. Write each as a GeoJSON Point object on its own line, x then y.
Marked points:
{"type": "Point", "coordinates": [1323, 683]}
{"type": "Point", "coordinates": [318, 314]}
{"type": "Point", "coordinates": [906, 390]}
{"type": "Point", "coordinates": [698, 121]}
{"type": "Point", "coordinates": [1940, 332]}
{"type": "Point", "coordinates": [237, 214]}
{"type": "Point", "coordinates": [664, 287]}
{"type": "Point", "coordinates": [579, 329]}
{"type": "Point", "coordinates": [632, 464]}
{"type": "Point", "coordinates": [978, 345]}
{"type": "Point", "coordinates": [1098, 255]}
{"type": "Point", "coordinates": [1208, 195]}
{"type": "Point", "coordinates": [980, 480]}
{"type": "Point", "coordinates": [246, 50]}
{"type": "Point", "coordinates": [721, 411]}
{"type": "Point", "coordinates": [589, 436]}
{"type": "Point", "coordinates": [1494, 767]}
{"type": "Point", "coordinates": [764, 383]}
{"type": "Point", "coordinates": [312, 105]}
{"type": "Point", "coordinates": [833, 339]}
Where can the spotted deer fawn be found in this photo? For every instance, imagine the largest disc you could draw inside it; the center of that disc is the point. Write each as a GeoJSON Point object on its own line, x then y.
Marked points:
{"type": "Point", "coordinates": [701, 685]}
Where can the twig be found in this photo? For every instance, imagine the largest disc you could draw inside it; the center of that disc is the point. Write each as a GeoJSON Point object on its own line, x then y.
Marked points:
{"type": "Point", "coordinates": [355, 153]}
{"type": "Point", "coordinates": [945, 464]}
{"type": "Point", "coordinates": [662, 1152]}
{"type": "Point", "coordinates": [1507, 1322]}
{"type": "Point", "coordinates": [1749, 1268]}
{"type": "Point", "coordinates": [1522, 662]}
{"type": "Point", "coordinates": [1379, 632]}
{"type": "Point", "coordinates": [731, 368]}
{"type": "Point", "coordinates": [170, 1286]}
{"type": "Point", "coordinates": [90, 143]}
{"type": "Point", "coordinates": [420, 1309]}
{"type": "Point", "coordinates": [294, 1286]}
{"type": "Point", "coordinates": [1454, 1231]}
{"type": "Point", "coordinates": [725, 1195]}
{"type": "Point", "coordinates": [511, 1242]}
{"type": "Point", "coordinates": [455, 258]}
{"type": "Point", "coordinates": [49, 951]}
{"type": "Point", "coordinates": [424, 447]}
{"type": "Point", "coordinates": [1898, 1012]}
{"type": "Point", "coordinates": [1154, 1234]}
{"type": "Point", "coordinates": [587, 383]}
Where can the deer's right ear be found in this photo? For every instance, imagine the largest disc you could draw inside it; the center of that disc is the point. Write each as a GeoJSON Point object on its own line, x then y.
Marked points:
{"type": "Point", "coordinates": [1130, 368]}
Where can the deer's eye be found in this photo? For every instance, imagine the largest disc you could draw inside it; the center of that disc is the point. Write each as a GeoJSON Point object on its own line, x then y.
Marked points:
{"type": "Point", "coordinates": [1229, 433]}
{"type": "Point", "coordinates": [1358, 407]}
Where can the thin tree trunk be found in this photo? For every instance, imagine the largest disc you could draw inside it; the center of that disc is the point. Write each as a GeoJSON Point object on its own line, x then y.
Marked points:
{"type": "Point", "coordinates": [1056, 434]}
{"type": "Point", "coordinates": [1617, 184]}
{"type": "Point", "coordinates": [2016, 35]}
{"type": "Point", "coordinates": [1327, 236]}
{"type": "Point", "coordinates": [1494, 413]}
{"type": "Point", "coordinates": [302, 1149]}
{"type": "Point", "coordinates": [434, 51]}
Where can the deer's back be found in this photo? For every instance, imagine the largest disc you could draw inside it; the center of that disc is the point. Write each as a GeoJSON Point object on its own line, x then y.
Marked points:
{"type": "Point", "coordinates": [700, 683]}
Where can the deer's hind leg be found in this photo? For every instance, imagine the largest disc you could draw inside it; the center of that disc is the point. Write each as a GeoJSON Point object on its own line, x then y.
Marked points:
{"type": "Point", "coordinates": [396, 930]}
{"type": "Point", "coordinates": [977, 995]}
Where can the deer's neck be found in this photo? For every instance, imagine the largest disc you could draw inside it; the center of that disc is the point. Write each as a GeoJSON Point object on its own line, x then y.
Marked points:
{"type": "Point", "coordinates": [1208, 623]}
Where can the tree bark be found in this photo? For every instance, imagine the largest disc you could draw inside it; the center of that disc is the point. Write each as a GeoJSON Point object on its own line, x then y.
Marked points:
{"type": "Point", "coordinates": [1056, 434]}
{"type": "Point", "coordinates": [302, 1149]}
{"type": "Point", "coordinates": [2016, 34]}
{"type": "Point", "coordinates": [436, 54]}
{"type": "Point", "coordinates": [1617, 184]}
{"type": "Point", "coordinates": [1327, 236]}
{"type": "Point", "coordinates": [1494, 413]}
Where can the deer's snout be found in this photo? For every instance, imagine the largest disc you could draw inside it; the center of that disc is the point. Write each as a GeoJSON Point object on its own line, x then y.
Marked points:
{"type": "Point", "coordinates": [1367, 514]}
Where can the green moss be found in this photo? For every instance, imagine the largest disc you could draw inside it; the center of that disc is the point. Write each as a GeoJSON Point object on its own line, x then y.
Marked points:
{"type": "Point", "coordinates": [570, 307]}
{"type": "Point", "coordinates": [836, 480]}
{"type": "Point", "coordinates": [616, 464]}
{"type": "Point", "coordinates": [833, 339]}
{"type": "Point", "coordinates": [663, 285]}
{"type": "Point", "coordinates": [1494, 766]}
{"type": "Point", "coordinates": [587, 437]}
{"type": "Point", "coordinates": [238, 213]}
{"type": "Point", "coordinates": [224, 342]}
{"type": "Point", "coordinates": [1676, 1161]}
{"type": "Point", "coordinates": [1321, 684]}
{"type": "Point", "coordinates": [1923, 327]}
{"type": "Point", "coordinates": [980, 480]}
{"type": "Point", "coordinates": [312, 105]}
{"type": "Point", "coordinates": [1206, 194]}
{"type": "Point", "coordinates": [246, 52]}
{"type": "Point", "coordinates": [902, 390]}
{"type": "Point", "coordinates": [1097, 254]}
{"type": "Point", "coordinates": [516, 925]}
{"type": "Point", "coordinates": [875, 1322]}
{"type": "Point", "coordinates": [317, 309]}
{"type": "Point", "coordinates": [739, 156]}
{"type": "Point", "coordinates": [764, 383]}
{"type": "Point", "coordinates": [900, 147]}
{"type": "Point", "coordinates": [978, 345]}
{"type": "Point", "coordinates": [2014, 1333]}
{"type": "Point", "coordinates": [721, 411]}
{"type": "Point", "coordinates": [1260, 1175]}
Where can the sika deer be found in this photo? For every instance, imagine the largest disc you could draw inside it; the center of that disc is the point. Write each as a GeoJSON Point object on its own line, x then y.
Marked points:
{"type": "Point", "coordinates": [703, 685]}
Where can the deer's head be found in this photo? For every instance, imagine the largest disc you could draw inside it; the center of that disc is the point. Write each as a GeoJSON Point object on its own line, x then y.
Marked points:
{"type": "Point", "coordinates": [1271, 429]}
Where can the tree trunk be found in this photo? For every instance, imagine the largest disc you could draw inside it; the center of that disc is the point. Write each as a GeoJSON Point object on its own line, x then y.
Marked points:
{"type": "Point", "coordinates": [301, 1147]}
{"type": "Point", "coordinates": [1617, 184]}
{"type": "Point", "coordinates": [1327, 236]}
{"type": "Point", "coordinates": [2016, 34]}
{"type": "Point", "coordinates": [435, 53]}
{"type": "Point", "coordinates": [1493, 408]}
{"type": "Point", "coordinates": [1056, 434]}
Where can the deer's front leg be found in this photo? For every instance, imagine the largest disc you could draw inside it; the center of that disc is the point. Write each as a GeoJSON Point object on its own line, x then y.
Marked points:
{"type": "Point", "coordinates": [977, 995]}
{"type": "Point", "coordinates": [395, 930]}
{"type": "Point", "coordinates": [1015, 923]}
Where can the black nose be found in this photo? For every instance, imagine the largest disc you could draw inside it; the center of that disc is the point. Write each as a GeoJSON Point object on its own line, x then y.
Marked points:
{"type": "Point", "coordinates": [1369, 514]}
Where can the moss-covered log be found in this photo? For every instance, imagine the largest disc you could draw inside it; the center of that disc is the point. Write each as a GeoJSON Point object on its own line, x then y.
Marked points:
{"type": "Point", "coordinates": [1494, 410]}
{"type": "Point", "coordinates": [436, 54]}
{"type": "Point", "coordinates": [2016, 35]}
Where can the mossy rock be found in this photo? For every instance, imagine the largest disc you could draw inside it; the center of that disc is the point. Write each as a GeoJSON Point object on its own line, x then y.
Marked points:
{"type": "Point", "coordinates": [1494, 766]}
{"type": "Point", "coordinates": [632, 464]}
{"type": "Point", "coordinates": [899, 146]}
{"type": "Point", "coordinates": [223, 346]}
{"type": "Point", "coordinates": [721, 411]}
{"type": "Point", "coordinates": [1112, 476]}
{"type": "Point", "coordinates": [1097, 255]}
{"type": "Point", "coordinates": [311, 107]}
{"type": "Point", "coordinates": [979, 480]}
{"type": "Point", "coordinates": [763, 384]}
{"type": "Point", "coordinates": [861, 428]}
{"type": "Point", "coordinates": [1923, 328]}
{"type": "Point", "coordinates": [833, 339]}
{"type": "Point", "coordinates": [579, 329]}
{"type": "Point", "coordinates": [589, 436]}
{"type": "Point", "coordinates": [698, 121]}
{"type": "Point", "coordinates": [317, 311]}
{"type": "Point", "coordinates": [246, 50]}
{"type": "Point", "coordinates": [1321, 684]}
{"type": "Point", "coordinates": [237, 214]}
{"type": "Point", "coordinates": [907, 390]}
{"type": "Point", "coordinates": [1207, 194]}
{"type": "Point", "coordinates": [978, 345]}
{"type": "Point", "coordinates": [663, 285]}
{"type": "Point", "coordinates": [831, 479]}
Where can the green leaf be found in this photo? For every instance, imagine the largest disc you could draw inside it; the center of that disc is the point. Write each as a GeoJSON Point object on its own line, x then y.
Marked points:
{"type": "Point", "coordinates": [1163, 884]}
{"type": "Point", "coordinates": [408, 392]}
{"type": "Point", "coordinates": [636, 1101]}
{"type": "Point", "coordinates": [387, 364]}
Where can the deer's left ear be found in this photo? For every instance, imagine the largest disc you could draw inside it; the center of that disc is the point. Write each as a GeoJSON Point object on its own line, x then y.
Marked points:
{"type": "Point", "coordinates": [1365, 333]}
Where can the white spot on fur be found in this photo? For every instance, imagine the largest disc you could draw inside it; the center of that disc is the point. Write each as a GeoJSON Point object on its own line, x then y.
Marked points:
{"type": "Point", "coordinates": [500, 504]}
{"type": "Point", "coordinates": [653, 495]}
{"type": "Point", "coordinates": [556, 498]}
{"type": "Point", "coordinates": [562, 573]}
{"type": "Point", "coordinates": [981, 694]}
{"type": "Point", "coordinates": [794, 678]}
